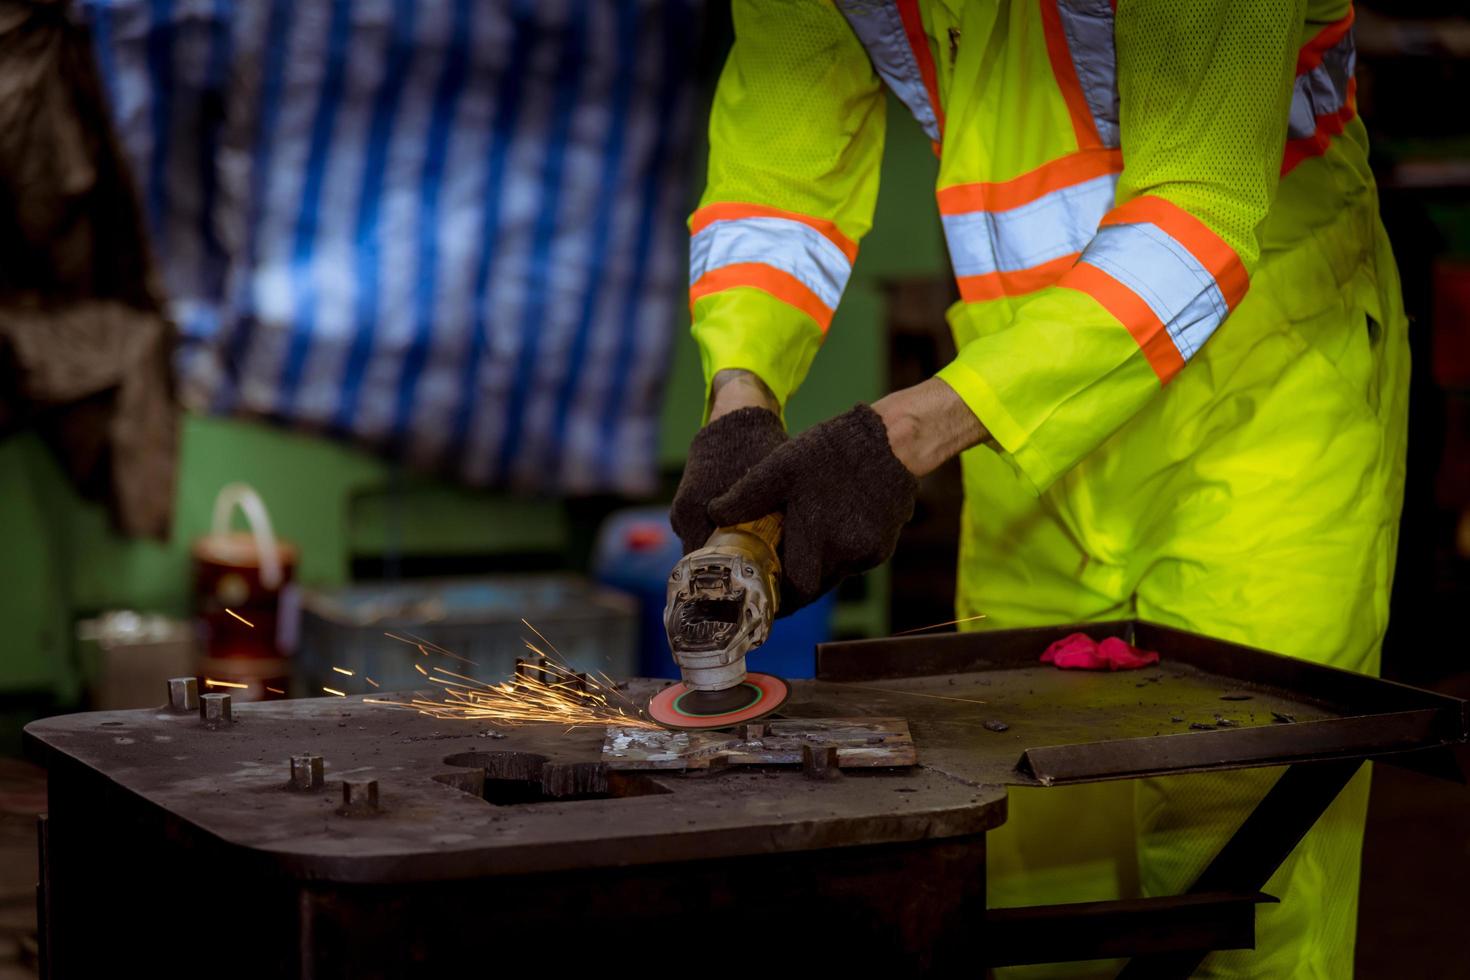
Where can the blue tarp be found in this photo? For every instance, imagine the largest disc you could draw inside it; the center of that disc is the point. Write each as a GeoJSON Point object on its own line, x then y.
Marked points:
{"type": "Point", "coordinates": [452, 229]}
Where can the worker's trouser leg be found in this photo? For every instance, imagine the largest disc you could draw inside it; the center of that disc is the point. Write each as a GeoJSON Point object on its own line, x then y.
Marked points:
{"type": "Point", "coordinates": [1255, 500]}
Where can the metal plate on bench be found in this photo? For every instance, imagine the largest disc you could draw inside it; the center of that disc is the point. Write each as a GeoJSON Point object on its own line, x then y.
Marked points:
{"type": "Point", "coordinates": [861, 743]}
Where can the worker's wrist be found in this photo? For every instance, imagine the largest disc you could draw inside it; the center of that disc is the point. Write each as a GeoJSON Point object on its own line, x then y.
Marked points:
{"type": "Point", "coordinates": [734, 389]}
{"type": "Point", "coordinates": [928, 424]}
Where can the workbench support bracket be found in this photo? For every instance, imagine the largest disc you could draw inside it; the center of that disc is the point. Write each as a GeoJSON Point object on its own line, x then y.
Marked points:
{"type": "Point", "coordinates": [1249, 859]}
{"type": "Point", "coordinates": [1097, 930]}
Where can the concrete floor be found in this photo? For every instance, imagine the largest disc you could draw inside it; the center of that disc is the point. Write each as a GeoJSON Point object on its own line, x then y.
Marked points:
{"type": "Point", "coordinates": [1414, 908]}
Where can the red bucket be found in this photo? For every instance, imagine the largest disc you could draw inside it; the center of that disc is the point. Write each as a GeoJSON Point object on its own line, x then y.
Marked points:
{"type": "Point", "coordinates": [244, 592]}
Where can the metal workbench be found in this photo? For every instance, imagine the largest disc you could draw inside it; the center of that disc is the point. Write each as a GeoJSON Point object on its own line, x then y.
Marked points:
{"type": "Point", "coordinates": [171, 843]}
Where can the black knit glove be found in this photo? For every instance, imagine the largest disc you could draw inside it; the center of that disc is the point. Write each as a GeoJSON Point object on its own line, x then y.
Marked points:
{"type": "Point", "coordinates": [844, 497]}
{"type": "Point", "coordinates": [720, 454]}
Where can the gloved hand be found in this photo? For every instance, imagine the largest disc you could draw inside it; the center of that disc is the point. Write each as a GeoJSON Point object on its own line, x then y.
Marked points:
{"type": "Point", "coordinates": [720, 454]}
{"type": "Point", "coordinates": [844, 496]}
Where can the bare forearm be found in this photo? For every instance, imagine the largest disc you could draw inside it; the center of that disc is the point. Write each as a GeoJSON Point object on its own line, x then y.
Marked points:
{"type": "Point", "coordinates": [734, 389]}
{"type": "Point", "coordinates": [928, 424]}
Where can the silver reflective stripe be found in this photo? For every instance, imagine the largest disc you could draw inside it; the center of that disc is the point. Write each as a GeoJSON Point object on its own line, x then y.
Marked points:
{"type": "Point", "coordinates": [791, 246]}
{"type": "Point", "coordinates": [879, 27]}
{"type": "Point", "coordinates": [1164, 274]}
{"type": "Point", "coordinates": [1088, 25]}
{"type": "Point", "coordinates": [1055, 224]}
{"type": "Point", "coordinates": [1322, 91]}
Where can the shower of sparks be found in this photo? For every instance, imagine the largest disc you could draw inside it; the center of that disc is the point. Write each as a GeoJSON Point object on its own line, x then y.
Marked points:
{"type": "Point", "coordinates": [211, 682]}
{"type": "Point", "coordinates": [343, 670]}
{"type": "Point", "coordinates": [549, 692]}
{"type": "Point", "coordinates": [935, 626]}
{"type": "Point", "coordinates": [333, 690]}
{"type": "Point", "coordinates": [240, 618]}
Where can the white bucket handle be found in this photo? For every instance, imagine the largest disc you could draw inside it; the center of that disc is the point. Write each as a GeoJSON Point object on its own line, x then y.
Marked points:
{"type": "Point", "coordinates": [243, 495]}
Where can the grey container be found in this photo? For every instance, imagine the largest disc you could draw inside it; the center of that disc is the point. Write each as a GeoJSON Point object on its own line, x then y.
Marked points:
{"type": "Point", "coordinates": [594, 629]}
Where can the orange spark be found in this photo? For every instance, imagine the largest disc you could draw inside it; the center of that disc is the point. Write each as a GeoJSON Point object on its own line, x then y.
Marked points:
{"type": "Point", "coordinates": [935, 626]}
{"type": "Point", "coordinates": [211, 682]}
{"type": "Point", "coordinates": [240, 618]}
{"type": "Point", "coordinates": [919, 694]}
{"type": "Point", "coordinates": [333, 690]}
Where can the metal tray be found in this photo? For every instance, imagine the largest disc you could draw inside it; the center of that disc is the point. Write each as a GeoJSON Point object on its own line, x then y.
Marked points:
{"type": "Point", "coordinates": [1081, 726]}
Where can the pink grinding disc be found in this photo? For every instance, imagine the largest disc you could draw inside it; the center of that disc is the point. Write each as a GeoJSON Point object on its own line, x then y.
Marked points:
{"type": "Point", "coordinates": [671, 708]}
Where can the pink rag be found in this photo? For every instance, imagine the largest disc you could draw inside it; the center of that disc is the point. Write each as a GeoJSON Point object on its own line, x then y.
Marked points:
{"type": "Point", "coordinates": [1080, 652]}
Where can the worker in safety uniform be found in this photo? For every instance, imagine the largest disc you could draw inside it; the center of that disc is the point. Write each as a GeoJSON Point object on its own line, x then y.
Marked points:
{"type": "Point", "coordinates": [1180, 390]}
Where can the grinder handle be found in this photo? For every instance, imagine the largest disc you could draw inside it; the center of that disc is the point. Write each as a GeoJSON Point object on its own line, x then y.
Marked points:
{"type": "Point", "coordinates": [767, 529]}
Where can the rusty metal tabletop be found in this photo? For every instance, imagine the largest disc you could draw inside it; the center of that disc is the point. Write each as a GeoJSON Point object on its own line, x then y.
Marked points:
{"type": "Point", "coordinates": [1207, 705]}
{"type": "Point", "coordinates": [232, 784]}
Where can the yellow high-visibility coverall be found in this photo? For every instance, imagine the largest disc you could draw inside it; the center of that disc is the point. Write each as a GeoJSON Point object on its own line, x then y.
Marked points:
{"type": "Point", "coordinates": [1180, 321]}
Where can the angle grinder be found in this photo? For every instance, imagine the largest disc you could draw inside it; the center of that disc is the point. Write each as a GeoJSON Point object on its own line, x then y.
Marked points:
{"type": "Point", "coordinates": [722, 599]}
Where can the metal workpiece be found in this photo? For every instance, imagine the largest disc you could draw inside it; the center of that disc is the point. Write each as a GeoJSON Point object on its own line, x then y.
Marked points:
{"type": "Point", "coordinates": [215, 710]}
{"type": "Point", "coordinates": [359, 798]}
{"type": "Point", "coordinates": [819, 761]}
{"type": "Point", "coordinates": [855, 743]}
{"type": "Point", "coordinates": [183, 694]}
{"type": "Point", "coordinates": [308, 772]}
{"type": "Point", "coordinates": [533, 669]}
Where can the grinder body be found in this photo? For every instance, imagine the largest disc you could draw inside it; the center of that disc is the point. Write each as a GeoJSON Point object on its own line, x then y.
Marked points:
{"type": "Point", "coordinates": [721, 601]}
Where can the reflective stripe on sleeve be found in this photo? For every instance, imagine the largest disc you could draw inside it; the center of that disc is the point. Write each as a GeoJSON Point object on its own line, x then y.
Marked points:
{"type": "Point", "coordinates": [1323, 99]}
{"type": "Point", "coordinates": [1164, 274]}
{"type": "Point", "coordinates": [800, 260]}
{"type": "Point", "coordinates": [1021, 235]}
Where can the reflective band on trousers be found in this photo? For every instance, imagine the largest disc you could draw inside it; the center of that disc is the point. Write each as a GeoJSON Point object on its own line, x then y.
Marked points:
{"type": "Point", "coordinates": [879, 26]}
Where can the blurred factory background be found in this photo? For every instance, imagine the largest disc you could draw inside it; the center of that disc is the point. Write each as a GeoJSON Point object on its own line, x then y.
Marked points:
{"type": "Point", "coordinates": [395, 300]}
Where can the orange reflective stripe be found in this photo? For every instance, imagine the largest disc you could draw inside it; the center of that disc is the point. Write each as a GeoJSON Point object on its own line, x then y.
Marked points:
{"type": "Point", "coordinates": [1006, 194]}
{"type": "Point", "coordinates": [1130, 310]}
{"type": "Point", "coordinates": [913, 29]}
{"type": "Point", "coordinates": [782, 285]}
{"type": "Point", "coordinates": [995, 285]}
{"type": "Point", "coordinates": [1208, 248]}
{"type": "Point", "coordinates": [734, 210]}
{"type": "Point", "coordinates": [1066, 75]}
{"type": "Point", "coordinates": [1328, 126]}
{"type": "Point", "coordinates": [1310, 56]}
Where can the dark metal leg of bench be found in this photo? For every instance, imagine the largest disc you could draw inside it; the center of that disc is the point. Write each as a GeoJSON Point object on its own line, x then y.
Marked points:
{"type": "Point", "coordinates": [1249, 859]}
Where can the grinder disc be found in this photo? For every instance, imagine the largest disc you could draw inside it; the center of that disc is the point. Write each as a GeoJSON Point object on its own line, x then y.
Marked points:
{"type": "Point", "coordinates": [676, 706]}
